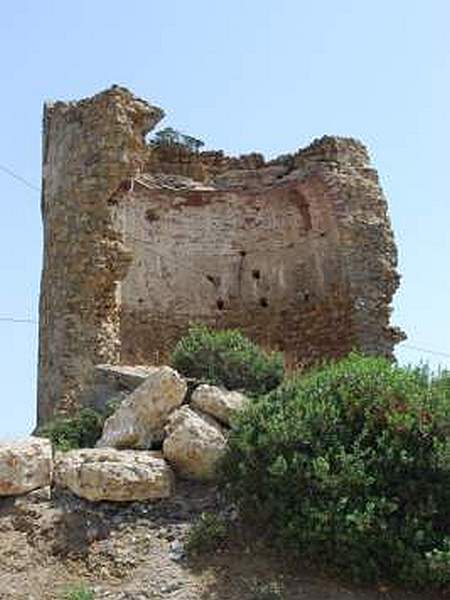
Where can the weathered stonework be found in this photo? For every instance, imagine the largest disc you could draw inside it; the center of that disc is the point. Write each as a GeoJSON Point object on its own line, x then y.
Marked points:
{"type": "Point", "coordinates": [141, 240]}
{"type": "Point", "coordinates": [89, 147]}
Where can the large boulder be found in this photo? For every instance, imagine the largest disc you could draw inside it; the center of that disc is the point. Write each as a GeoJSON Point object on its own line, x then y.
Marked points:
{"type": "Point", "coordinates": [118, 476]}
{"type": "Point", "coordinates": [25, 465]}
{"type": "Point", "coordinates": [217, 402]}
{"type": "Point", "coordinates": [140, 419]}
{"type": "Point", "coordinates": [194, 444]}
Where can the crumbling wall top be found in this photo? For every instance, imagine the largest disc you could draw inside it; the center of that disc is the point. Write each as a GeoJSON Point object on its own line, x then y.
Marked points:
{"type": "Point", "coordinates": [141, 112]}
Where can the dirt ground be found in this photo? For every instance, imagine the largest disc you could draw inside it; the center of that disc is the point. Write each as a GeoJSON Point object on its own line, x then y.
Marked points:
{"type": "Point", "coordinates": [135, 552]}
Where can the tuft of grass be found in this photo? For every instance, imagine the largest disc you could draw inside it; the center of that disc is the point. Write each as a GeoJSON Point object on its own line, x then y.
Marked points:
{"type": "Point", "coordinates": [78, 592]}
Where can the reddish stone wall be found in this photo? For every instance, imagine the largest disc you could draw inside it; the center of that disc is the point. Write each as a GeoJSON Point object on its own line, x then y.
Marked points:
{"type": "Point", "coordinates": [264, 260]}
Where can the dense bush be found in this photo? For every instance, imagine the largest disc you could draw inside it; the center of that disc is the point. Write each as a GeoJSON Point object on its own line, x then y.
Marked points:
{"type": "Point", "coordinates": [206, 534]}
{"type": "Point", "coordinates": [350, 465]}
{"type": "Point", "coordinates": [81, 430]}
{"type": "Point", "coordinates": [227, 358]}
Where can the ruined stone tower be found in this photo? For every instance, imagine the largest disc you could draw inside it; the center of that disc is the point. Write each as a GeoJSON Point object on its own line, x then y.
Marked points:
{"type": "Point", "coordinates": [140, 240]}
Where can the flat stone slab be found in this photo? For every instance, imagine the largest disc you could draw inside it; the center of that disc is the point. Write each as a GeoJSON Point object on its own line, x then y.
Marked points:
{"type": "Point", "coordinates": [115, 475]}
{"type": "Point", "coordinates": [124, 376]}
{"type": "Point", "coordinates": [25, 465]}
{"type": "Point", "coordinates": [114, 383]}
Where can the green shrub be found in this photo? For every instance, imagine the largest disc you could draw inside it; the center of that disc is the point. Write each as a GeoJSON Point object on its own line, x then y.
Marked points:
{"type": "Point", "coordinates": [81, 430]}
{"type": "Point", "coordinates": [78, 592]}
{"type": "Point", "coordinates": [227, 358]}
{"type": "Point", "coordinates": [350, 465]}
{"type": "Point", "coordinates": [206, 534]}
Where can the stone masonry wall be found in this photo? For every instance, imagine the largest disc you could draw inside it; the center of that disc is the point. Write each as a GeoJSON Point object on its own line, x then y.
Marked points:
{"type": "Point", "coordinates": [139, 241]}
{"type": "Point", "coordinates": [89, 148]}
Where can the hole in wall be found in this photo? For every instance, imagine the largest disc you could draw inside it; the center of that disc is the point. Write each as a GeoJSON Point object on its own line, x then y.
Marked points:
{"type": "Point", "coordinates": [215, 280]}
{"type": "Point", "coordinates": [151, 216]}
{"type": "Point", "coordinates": [264, 302]}
{"type": "Point", "coordinates": [242, 252]}
{"type": "Point", "coordinates": [306, 296]}
{"type": "Point", "coordinates": [140, 300]}
{"type": "Point", "coordinates": [220, 303]}
{"type": "Point", "coordinates": [256, 274]}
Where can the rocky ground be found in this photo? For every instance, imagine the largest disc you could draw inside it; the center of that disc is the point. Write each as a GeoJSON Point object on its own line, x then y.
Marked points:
{"type": "Point", "coordinates": [135, 552]}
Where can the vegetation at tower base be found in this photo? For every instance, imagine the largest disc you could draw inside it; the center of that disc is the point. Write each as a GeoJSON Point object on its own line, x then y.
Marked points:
{"type": "Point", "coordinates": [350, 465]}
{"type": "Point", "coordinates": [206, 534]}
{"type": "Point", "coordinates": [81, 430]}
{"type": "Point", "coordinates": [227, 358]}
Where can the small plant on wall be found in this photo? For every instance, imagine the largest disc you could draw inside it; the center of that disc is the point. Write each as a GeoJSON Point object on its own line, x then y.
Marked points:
{"type": "Point", "coordinates": [171, 137]}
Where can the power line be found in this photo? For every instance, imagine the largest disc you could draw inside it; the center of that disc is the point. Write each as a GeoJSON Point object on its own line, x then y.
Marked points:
{"type": "Point", "coordinates": [419, 349]}
{"type": "Point", "coordinates": [14, 320]}
{"type": "Point", "coordinates": [35, 189]}
{"type": "Point", "coordinates": [19, 178]}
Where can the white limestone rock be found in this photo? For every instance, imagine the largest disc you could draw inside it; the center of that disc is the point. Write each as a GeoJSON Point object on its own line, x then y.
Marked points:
{"type": "Point", "coordinates": [115, 475]}
{"type": "Point", "coordinates": [25, 465]}
{"type": "Point", "coordinates": [217, 402]}
{"type": "Point", "coordinates": [194, 444]}
{"type": "Point", "coordinates": [140, 419]}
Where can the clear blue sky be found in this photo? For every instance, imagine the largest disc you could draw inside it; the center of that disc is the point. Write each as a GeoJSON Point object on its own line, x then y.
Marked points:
{"type": "Point", "coordinates": [243, 75]}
